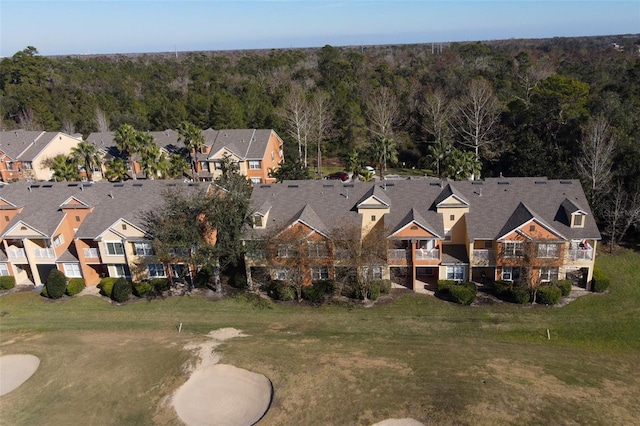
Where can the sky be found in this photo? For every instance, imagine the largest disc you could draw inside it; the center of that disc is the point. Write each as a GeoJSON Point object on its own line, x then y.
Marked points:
{"type": "Point", "coordinates": [125, 26]}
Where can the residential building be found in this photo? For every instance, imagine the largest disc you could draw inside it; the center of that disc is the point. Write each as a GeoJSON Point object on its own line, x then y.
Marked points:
{"type": "Point", "coordinates": [84, 229]}
{"type": "Point", "coordinates": [499, 228]}
{"type": "Point", "coordinates": [23, 154]}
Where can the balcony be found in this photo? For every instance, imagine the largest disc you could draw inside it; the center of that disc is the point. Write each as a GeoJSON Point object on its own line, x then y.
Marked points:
{"type": "Point", "coordinates": [44, 253]}
{"type": "Point", "coordinates": [16, 253]}
{"type": "Point", "coordinates": [399, 255]}
{"type": "Point", "coordinates": [580, 254]}
{"type": "Point", "coordinates": [426, 254]}
{"type": "Point", "coordinates": [483, 258]}
{"type": "Point", "coordinates": [91, 253]}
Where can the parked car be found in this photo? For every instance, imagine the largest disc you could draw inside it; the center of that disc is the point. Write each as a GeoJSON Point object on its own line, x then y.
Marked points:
{"type": "Point", "coordinates": [370, 169]}
{"type": "Point", "coordinates": [343, 176]}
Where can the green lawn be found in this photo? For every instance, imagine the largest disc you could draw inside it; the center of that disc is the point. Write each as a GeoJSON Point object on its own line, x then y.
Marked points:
{"type": "Point", "coordinates": [416, 357]}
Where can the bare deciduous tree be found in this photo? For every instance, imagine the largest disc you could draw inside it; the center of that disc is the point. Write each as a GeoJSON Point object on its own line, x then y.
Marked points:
{"type": "Point", "coordinates": [478, 116]}
{"type": "Point", "coordinates": [321, 121]}
{"type": "Point", "coordinates": [28, 120]}
{"type": "Point", "coordinates": [598, 146]}
{"type": "Point", "coordinates": [437, 112]}
{"type": "Point", "coordinates": [621, 213]}
{"type": "Point", "coordinates": [383, 112]}
{"type": "Point", "coordinates": [68, 127]}
{"type": "Point", "coordinates": [102, 122]}
{"type": "Point", "coordinates": [295, 113]}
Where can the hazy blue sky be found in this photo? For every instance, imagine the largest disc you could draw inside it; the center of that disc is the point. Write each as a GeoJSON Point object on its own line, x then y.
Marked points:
{"type": "Point", "coordinates": [77, 27]}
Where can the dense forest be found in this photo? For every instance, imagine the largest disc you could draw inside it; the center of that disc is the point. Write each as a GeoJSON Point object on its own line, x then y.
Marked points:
{"type": "Point", "coordinates": [561, 107]}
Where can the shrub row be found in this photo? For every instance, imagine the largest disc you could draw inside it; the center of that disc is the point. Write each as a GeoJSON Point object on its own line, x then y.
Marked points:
{"type": "Point", "coordinates": [279, 290]}
{"type": "Point", "coordinates": [463, 293]}
{"type": "Point", "coordinates": [7, 282]}
{"type": "Point", "coordinates": [548, 294]}
{"type": "Point", "coordinates": [511, 292]}
{"type": "Point", "coordinates": [600, 281]}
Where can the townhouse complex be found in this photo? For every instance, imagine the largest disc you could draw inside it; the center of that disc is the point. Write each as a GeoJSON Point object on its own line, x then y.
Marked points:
{"type": "Point", "coordinates": [497, 229]}
{"type": "Point", "coordinates": [88, 230]}
{"type": "Point", "coordinates": [255, 151]}
{"type": "Point", "coordinates": [23, 154]}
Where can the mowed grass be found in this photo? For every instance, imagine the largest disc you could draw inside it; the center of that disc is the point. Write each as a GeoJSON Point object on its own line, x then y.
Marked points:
{"type": "Point", "coordinates": [416, 357]}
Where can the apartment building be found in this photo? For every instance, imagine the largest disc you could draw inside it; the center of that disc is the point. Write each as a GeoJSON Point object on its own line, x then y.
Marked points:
{"type": "Point", "coordinates": [23, 154]}
{"type": "Point", "coordinates": [88, 230]}
{"type": "Point", "coordinates": [502, 228]}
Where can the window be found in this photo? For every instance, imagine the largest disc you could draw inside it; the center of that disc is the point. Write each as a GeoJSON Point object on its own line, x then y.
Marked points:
{"type": "Point", "coordinates": [77, 218]}
{"type": "Point", "coordinates": [155, 270]}
{"type": "Point", "coordinates": [204, 166]}
{"type": "Point", "coordinates": [547, 250]}
{"type": "Point", "coordinates": [72, 270]}
{"type": "Point", "coordinates": [373, 218]}
{"type": "Point", "coordinates": [6, 218]}
{"type": "Point", "coordinates": [455, 272]}
{"type": "Point", "coordinates": [372, 272]}
{"type": "Point", "coordinates": [578, 221]}
{"type": "Point", "coordinates": [318, 249]}
{"type": "Point", "coordinates": [257, 221]}
{"type": "Point", "coordinates": [452, 217]}
{"type": "Point", "coordinates": [114, 248]}
{"type": "Point", "coordinates": [4, 270]}
{"type": "Point", "coordinates": [254, 165]}
{"type": "Point", "coordinates": [532, 228]}
{"type": "Point", "coordinates": [282, 274]}
{"type": "Point", "coordinates": [511, 273]}
{"type": "Point", "coordinates": [143, 249]}
{"type": "Point", "coordinates": [217, 165]}
{"type": "Point", "coordinates": [513, 249]}
{"type": "Point", "coordinates": [124, 226]}
{"type": "Point", "coordinates": [488, 244]}
{"type": "Point", "coordinates": [121, 271]}
{"type": "Point", "coordinates": [58, 240]}
{"type": "Point", "coordinates": [27, 165]}
{"type": "Point", "coordinates": [548, 274]}
{"type": "Point", "coordinates": [272, 156]}
{"type": "Point", "coordinates": [286, 250]}
{"type": "Point", "coordinates": [319, 273]}
{"type": "Point", "coordinates": [256, 180]}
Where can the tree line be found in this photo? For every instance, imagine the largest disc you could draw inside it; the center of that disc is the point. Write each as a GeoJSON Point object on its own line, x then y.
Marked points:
{"type": "Point", "coordinates": [561, 108]}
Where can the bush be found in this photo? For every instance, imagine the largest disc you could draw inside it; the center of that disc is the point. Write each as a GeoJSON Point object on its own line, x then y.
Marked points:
{"type": "Point", "coordinates": [600, 281]}
{"type": "Point", "coordinates": [43, 292]}
{"type": "Point", "coordinates": [121, 290]}
{"type": "Point", "coordinates": [203, 277]}
{"type": "Point", "coordinates": [548, 294]}
{"type": "Point", "coordinates": [56, 284]}
{"type": "Point", "coordinates": [279, 290]}
{"type": "Point", "coordinates": [385, 286]}
{"type": "Point", "coordinates": [75, 286]}
{"type": "Point", "coordinates": [500, 288]}
{"type": "Point", "coordinates": [159, 284]}
{"type": "Point", "coordinates": [316, 291]}
{"type": "Point", "coordinates": [239, 280]}
{"type": "Point", "coordinates": [519, 294]}
{"type": "Point", "coordinates": [106, 286]}
{"type": "Point", "coordinates": [463, 293]}
{"type": "Point", "coordinates": [443, 285]}
{"type": "Point", "coordinates": [564, 286]}
{"type": "Point", "coordinates": [142, 289]}
{"type": "Point", "coordinates": [374, 290]}
{"type": "Point", "coordinates": [7, 282]}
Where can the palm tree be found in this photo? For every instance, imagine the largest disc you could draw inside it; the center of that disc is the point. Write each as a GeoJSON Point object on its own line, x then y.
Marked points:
{"type": "Point", "coordinates": [150, 157]}
{"type": "Point", "coordinates": [116, 169]}
{"type": "Point", "coordinates": [384, 150]}
{"type": "Point", "coordinates": [437, 154]}
{"type": "Point", "coordinates": [193, 139]}
{"type": "Point", "coordinates": [461, 164]}
{"type": "Point", "coordinates": [177, 166]}
{"type": "Point", "coordinates": [87, 154]}
{"type": "Point", "coordinates": [353, 163]}
{"type": "Point", "coordinates": [128, 141]}
{"type": "Point", "coordinates": [64, 168]}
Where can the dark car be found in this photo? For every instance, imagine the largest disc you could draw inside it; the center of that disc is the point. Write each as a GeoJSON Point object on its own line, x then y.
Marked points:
{"type": "Point", "coordinates": [343, 176]}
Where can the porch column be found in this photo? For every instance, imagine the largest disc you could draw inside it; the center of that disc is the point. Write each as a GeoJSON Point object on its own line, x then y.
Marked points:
{"type": "Point", "coordinates": [414, 272]}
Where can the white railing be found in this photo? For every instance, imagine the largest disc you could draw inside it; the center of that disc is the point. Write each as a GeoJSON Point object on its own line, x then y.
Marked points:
{"type": "Point", "coordinates": [91, 252]}
{"type": "Point", "coordinates": [483, 257]}
{"type": "Point", "coordinates": [44, 253]}
{"type": "Point", "coordinates": [580, 254]}
{"type": "Point", "coordinates": [16, 253]}
{"type": "Point", "coordinates": [398, 254]}
{"type": "Point", "coordinates": [425, 254]}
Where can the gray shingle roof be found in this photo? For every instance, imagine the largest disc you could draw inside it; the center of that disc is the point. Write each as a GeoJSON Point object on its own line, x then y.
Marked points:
{"type": "Point", "coordinates": [491, 204]}
{"type": "Point", "coordinates": [248, 144]}
{"type": "Point", "coordinates": [39, 144]}
{"type": "Point", "coordinates": [14, 142]}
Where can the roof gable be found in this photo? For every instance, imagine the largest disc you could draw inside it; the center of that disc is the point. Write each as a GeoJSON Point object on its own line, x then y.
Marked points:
{"type": "Point", "coordinates": [450, 197]}
{"type": "Point", "coordinates": [521, 216]}
{"type": "Point", "coordinates": [375, 197]}
{"type": "Point", "coordinates": [22, 229]}
{"type": "Point", "coordinates": [411, 220]}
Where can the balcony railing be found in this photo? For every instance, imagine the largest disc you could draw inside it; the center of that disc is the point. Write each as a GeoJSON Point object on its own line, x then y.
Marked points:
{"type": "Point", "coordinates": [91, 252]}
{"type": "Point", "coordinates": [580, 254]}
{"type": "Point", "coordinates": [398, 254]}
{"type": "Point", "coordinates": [16, 253]}
{"type": "Point", "coordinates": [425, 254]}
{"type": "Point", "coordinates": [483, 257]}
{"type": "Point", "coordinates": [44, 253]}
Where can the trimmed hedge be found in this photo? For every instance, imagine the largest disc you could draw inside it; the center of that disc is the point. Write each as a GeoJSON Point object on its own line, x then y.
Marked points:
{"type": "Point", "coordinates": [316, 291]}
{"type": "Point", "coordinates": [564, 286]}
{"type": "Point", "coordinates": [75, 286]}
{"type": "Point", "coordinates": [499, 288]}
{"type": "Point", "coordinates": [511, 292]}
{"type": "Point", "coordinates": [463, 293]}
{"type": "Point", "coordinates": [56, 284]}
{"type": "Point", "coordinates": [548, 294]}
{"type": "Point", "coordinates": [160, 284]}
{"type": "Point", "coordinates": [122, 289]}
{"type": "Point", "coordinates": [600, 281]}
{"type": "Point", "coordinates": [7, 282]}
{"type": "Point", "coordinates": [142, 289]}
{"type": "Point", "coordinates": [106, 286]}
{"type": "Point", "coordinates": [519, 294]}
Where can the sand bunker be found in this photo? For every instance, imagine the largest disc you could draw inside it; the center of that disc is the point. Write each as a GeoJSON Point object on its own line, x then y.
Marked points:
{"type": "Point", "coordinates": [15, 370]}
{"type": "Point", "coordinates": [219, 394]}
{"type": "Point", "coordinates": [398, 422]}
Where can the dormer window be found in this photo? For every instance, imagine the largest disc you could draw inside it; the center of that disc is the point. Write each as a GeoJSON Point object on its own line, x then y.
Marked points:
{"type": "Point", "coordinates": [577, 220]}
{"type": "Point", "coordinates": [258, 221]}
